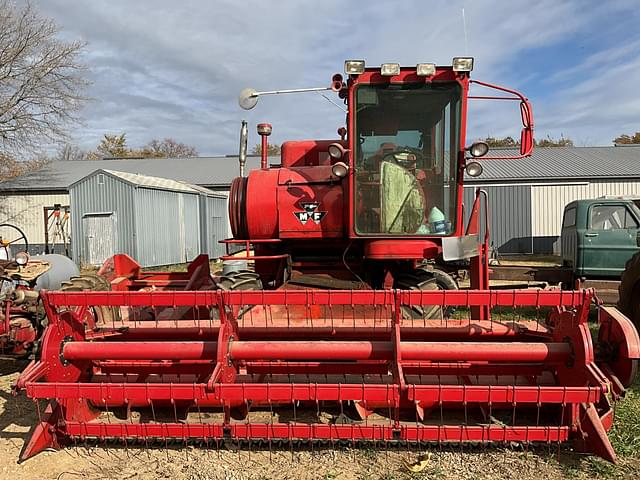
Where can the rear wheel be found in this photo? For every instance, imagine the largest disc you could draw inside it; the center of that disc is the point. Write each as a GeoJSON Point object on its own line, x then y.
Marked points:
{"type": "Point", "coordinates": [629, 290]}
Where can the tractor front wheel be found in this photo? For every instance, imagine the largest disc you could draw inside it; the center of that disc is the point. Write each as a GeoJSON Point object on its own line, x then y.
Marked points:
{"type": "Point", "coordinates": [424, 279]}
{"type": "Point", "coordinates": [629, 290]}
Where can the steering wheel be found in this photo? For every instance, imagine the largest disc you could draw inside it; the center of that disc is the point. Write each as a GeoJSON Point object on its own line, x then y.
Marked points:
{"type": "Point", "coordinates": [5, 243]}
{"type": "Point", "coordinates": [406, 157]}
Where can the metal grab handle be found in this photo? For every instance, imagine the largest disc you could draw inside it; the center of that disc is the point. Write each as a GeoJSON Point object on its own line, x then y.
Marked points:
{"type": "Point", "coordinates": [591, 234]}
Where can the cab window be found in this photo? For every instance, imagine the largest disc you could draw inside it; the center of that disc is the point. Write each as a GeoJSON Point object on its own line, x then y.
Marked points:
{"type": "Point", "coordinates": [569, 217]}
{"type": "Point", "coordinates": [611, 217]}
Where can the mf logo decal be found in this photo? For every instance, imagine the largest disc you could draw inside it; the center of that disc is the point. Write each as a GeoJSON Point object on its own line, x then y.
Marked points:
{"type": "Point", "coordinates": [310, 213]}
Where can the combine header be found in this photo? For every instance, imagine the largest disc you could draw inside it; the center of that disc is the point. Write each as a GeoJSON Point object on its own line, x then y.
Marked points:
{"type": "Point", "coordinates": [348, 328]}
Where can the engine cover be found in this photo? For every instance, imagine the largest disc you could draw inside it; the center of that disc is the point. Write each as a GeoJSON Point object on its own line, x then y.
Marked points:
{"type": "Point", "coordinates": [287, 203]}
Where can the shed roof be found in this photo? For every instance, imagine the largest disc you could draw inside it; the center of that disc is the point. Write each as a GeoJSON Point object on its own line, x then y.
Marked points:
{"type": "Point", "coordinates": [550, 164]}
{"type": "Point", "coordinates": [564, 163]}
{"type": "Point", "coordinates": [147, 181]}
{"type": "Point", "coordinates": [211, 172]}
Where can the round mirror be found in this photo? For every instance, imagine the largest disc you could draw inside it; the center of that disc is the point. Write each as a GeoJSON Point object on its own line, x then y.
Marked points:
{"type": "Point", "coordinates": [248, 98]}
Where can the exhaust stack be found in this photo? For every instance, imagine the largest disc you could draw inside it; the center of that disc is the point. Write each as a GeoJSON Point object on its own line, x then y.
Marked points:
{"type": "Point", "coordinates": [242, 154]}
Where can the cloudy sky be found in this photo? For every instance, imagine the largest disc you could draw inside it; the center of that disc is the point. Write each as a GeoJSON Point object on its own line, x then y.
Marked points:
{"type": "Point", "coordinates": [164, 68]}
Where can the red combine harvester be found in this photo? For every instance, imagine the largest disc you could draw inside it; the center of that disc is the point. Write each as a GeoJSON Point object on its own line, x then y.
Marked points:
{"type": "Point", "coordinates": [347, 329]}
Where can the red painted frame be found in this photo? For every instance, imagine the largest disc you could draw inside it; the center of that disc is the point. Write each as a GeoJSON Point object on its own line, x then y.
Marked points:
{"type": "Point", "coordinates": [227, 366]}
{"type": "Point", "coordinates": [408, 75]}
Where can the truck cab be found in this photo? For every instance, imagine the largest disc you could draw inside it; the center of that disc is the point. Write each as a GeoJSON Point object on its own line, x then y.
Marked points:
{"type": "Point", "coordinates": [600, 235]}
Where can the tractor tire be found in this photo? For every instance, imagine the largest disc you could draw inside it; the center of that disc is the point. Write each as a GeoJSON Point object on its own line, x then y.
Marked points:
{"type": "Point", "coordinates": [629, 290]}
{"type": "Point", "coordinates": [240, 280]}
{"type": "Point", "coordinates": [91, 282]}
{"type": "Point", "coordinates": [423, 279]}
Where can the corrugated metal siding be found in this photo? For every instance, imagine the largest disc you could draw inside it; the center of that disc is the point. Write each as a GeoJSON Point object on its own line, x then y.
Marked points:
{"type": "Point", "coordinates": [26, 212]}
{"type": "Point", "coordinates": [99, 235]}
{"type": "Point", "coordinates": [154, 226]}
{"type": "Point", "coordinates": [548, 201]}
{"type": "Point", "coordinates": [217, 225]}
{"type": "Point", "coordinates": [159, 229]}
{"type": "Point", "coordinates": [100, 194]}
{"type": "Point", "coordinates": [191, 226]}
{"type": "Point", "coordinates": [510, 216]}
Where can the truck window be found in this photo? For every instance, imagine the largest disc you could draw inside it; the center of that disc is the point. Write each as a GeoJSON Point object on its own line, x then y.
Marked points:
{"type": "Point", "coordinates": [569, 218]}
{"type": "Point", "coordinates": [611, 217]}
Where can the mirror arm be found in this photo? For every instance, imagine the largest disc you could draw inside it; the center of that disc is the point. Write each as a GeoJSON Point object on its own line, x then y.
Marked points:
{"type": "Point", "coordinates": [525, 108]}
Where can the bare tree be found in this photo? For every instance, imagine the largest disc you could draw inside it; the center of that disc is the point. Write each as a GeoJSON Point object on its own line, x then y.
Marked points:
{"type": "Point", "coordinates": [10, 167]}
{"type": "Point", "coordinates": [41, 80]}
{"type": "Point", "coordinates": [168, 147]}
{"type": "Point", "coordinates": [69, 152]}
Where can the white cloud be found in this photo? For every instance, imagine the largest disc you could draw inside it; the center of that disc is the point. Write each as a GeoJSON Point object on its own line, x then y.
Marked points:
{"type": "Point", "coordinates": [166, 68]}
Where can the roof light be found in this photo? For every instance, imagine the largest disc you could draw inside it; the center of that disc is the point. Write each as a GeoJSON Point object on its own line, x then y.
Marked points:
{"type": "Point", "coordinates": [474, 169]}
{"type": "Point", "coordinates": [426, 69]}
{"type": "Point", "coordinates": [390, 69]}
{"type": "Point", "coordinates": [462, 64]}
{"type": "Point", "coordinates": [354, 67]}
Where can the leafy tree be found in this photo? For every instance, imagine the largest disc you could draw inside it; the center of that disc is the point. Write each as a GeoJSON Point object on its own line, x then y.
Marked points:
{"type": "Point", "coordinates": [625, 139]}
{"type": "Point", "coordinates": [509, 142]}
{"type": "Point", "coordinates": [501, 142]}
{"type": "Point", "coordinates": [168, 147]}
{"type": "Point", "coordinates": [273, 150]}
{"type": "Point", "coordinates": [551, 142]}
{"type": "Point", "coordinates": [111, 146]}
{"type": "Point", "coordinates": [41, 80]}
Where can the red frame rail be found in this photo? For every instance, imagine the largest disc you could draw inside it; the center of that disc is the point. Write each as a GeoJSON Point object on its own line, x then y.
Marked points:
{"type": "Point", "coordinates": [347, 348]}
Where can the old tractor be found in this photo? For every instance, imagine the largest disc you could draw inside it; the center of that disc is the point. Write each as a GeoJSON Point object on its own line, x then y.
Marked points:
{"type": "Point", "coordinates": [22, 317]}
{"type": "Point", "coordinates": [346, 329]}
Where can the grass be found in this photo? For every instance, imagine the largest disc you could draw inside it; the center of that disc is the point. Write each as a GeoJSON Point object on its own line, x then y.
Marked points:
{"type": "Point", "coordinates": [625, 434]}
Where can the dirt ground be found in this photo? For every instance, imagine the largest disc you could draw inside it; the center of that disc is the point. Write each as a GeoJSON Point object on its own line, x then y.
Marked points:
{"type": "Point", "coordinates": [17, 414]}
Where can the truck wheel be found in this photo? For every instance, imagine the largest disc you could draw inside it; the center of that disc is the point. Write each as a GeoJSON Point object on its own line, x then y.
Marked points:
{"type": "Point", "coordinates": [629, 290]}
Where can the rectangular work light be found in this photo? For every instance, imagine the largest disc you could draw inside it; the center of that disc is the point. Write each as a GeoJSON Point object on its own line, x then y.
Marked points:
{"type": "Point", "coordinates": [426, 69]}
{"type": "Point", "coordinates": [462, 64]}
{"type": "Point", "coordinates": [354, 67]}
{"type": "Point", "coordinates": [390, 69]}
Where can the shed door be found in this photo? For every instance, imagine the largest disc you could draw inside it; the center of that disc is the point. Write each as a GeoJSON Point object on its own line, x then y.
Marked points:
{"type": "Point", "coordinates": [99, 232]}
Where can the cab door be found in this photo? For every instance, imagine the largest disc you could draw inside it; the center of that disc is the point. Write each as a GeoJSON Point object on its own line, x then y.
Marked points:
{"type": "Point", "coordinates": [610, 239]}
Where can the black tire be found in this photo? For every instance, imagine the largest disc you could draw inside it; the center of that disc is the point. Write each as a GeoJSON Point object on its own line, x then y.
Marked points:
{"type": "Point", "coordinates": [240, 280]}
{"type": "Point", "coordinates": [629, 290]}
{"type": "Point", "coordinates": [423, 279]}
{"type": "Point", "coordinates": [104, 316]}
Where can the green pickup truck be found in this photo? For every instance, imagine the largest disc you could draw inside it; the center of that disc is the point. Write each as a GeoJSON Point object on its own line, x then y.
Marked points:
{"type": "Point", "coordinates": [600, 235]}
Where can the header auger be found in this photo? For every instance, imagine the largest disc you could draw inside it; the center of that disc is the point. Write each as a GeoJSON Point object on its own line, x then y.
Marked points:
{"type": "Point", "coordinates": [348, 328]}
